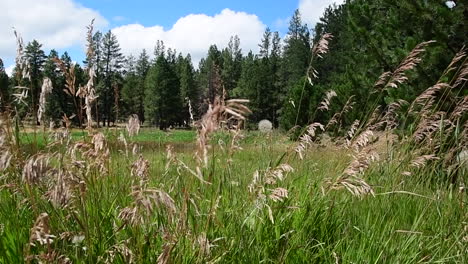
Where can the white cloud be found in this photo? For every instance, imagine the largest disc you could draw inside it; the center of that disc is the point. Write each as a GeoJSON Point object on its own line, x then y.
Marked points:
{"type": "Point", "coordinates": [312, 10]}
{"type": "Point", "coordinates": [9, 70]}
{"type": "Point", "coordinates": [54, 23]}
{"type": "Point", "coordinates": [194, 33]}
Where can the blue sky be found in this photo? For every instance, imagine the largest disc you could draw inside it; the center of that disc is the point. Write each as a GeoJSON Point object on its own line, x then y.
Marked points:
{"type": "Point", "coordinates": [187, 26]}
{"type": "Point", "coordinates": [166, 13]}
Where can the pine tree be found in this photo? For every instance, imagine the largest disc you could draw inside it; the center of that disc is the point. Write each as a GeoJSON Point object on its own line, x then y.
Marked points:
{"type": "Point", "coordinates": [296, 50]}
{"type": "Point", "coordinates": [36, 58]}
{"type": "Point", "coordinates": [232, 63]}
{"type": "Point", "coordinates": [53, 109]}
{"type": "Point", "coordinates": [4, 91]}
{"type": "Point", "coordinates": [133, 91]}
{"type": "Point", "coordinates": [110, 90]}
{"type": "Point", "coordinates": [162, 95]}
{"type": "Point", "coordinates": [188, 88]}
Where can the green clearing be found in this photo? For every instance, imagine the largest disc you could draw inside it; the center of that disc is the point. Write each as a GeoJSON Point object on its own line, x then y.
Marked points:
{"type": "Point", "coordinates": [407, 221]}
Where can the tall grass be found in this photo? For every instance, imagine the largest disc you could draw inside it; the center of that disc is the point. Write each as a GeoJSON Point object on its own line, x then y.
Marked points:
{"type": "Point", "coordinates": [378, 194]}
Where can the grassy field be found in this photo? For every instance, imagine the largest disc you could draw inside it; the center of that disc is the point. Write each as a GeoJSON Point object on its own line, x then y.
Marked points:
{"type": "Point", "coordinates": [109, 209]}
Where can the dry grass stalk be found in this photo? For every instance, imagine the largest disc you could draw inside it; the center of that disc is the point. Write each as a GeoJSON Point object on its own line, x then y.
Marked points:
{"type": "Point", "coordinates": [5, 153]}
{"type": "Point", "coordinates": [145, 202]}
{"type": "Point", "coordinates": [457, 58]}
{"type": "Point", "coordinates": [306, 140]}
{"type": "Point", "coordinates": [427, 98]}
{"type": "Point", "coordinates": [389, 119]}
{"type": "Point", "coordinates": [350, 134]}
{"type": "Point", "coordinates": [40, 232]}
{"type": "Point", "coordinates": [421, 161]}
{"type": "Point", "coordinates": [462, 75]}
{"type": "Point", "coordinates": [325, 104]}
{"type": "Point", "coordinates": [430, 125]}
{"type": "Point", "coordinates": [278, 194]}
{"type": "Point", "coordinates": [336, 119]}
{"type": "Point", "coordinates": [460, 109]}
{"type": "Point", "coordinates": [355, 185]}
{"type": "Point", "coordinates": [204, 245]}
{"type": "Point", "coordinates": [218, 112]}
{"type": "Point", "coordinates": [363, 140]}
{"type": "Point", "coordinates": [45, 91]}
{"type": "Point", "coordinates": [409, 63]}
{"type": "Point", "coordinates": [133, 125]}
{"type": "Point", "coordinates": [140, 168]}
{"type": "Point", "coordinates": [96, 154]}
{"type": "Point", "coordinates": [36, 168]}
{"type": "Point", "coordinates": [60, 194]}
{"type": "Point", "coordinates": [320, 48]}
{"type": "Point", "coordinates": [361, 162]}
{"type": "Point", "coordinates": [121, 250]}
{"type": "Point", "coordinates": [268, 177]}
{"type": "Point", "coordinates": [22, 62]}
{"type": "Point", "coordinates": [322, 45]}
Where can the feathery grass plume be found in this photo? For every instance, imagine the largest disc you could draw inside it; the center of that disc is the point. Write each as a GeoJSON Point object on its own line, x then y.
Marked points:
{"type": "Point", "coordinates": [361, 162]}
{"type": "Point", "coordinates": [168, 246]}
{"type": "Point", "coordinates": [389, 119]}
{"type": "Point", "coordinates": [409, 63]}
{"type": "Point", "coordinates": [382, 81]}
{"type": "Point", "coordinates": [218, 112]}
{"type": "Point", "coordinates": [204, 245]}
{"type": "Point", "coordinates": [70, 77]}
{"type": "Point", "coordinates": [40, 232]}
{"type": "Point", "coordinates": [36, 168]}
{"type": "Point", "coordinates": [22, 62]}
{"type": "Point", "coordinates": [307, 139]}
{"type": "Point", "coordinates": [60, 194]}
{"type": "Point", "coordinates": [96, 154]}
{"type": "Point", "coordinates": [5, 153]}
{"type": "Point", "coordinates": [278, 194]}
{"type": "Point", "coordinates": [350, 179]}
{"type": "Point", "coordinates": [457, 58]}
{"type": "Point", "coordinates": [427, 98]}
{"type": "Point", "coordinates": [352, 130]}
{"type": "Point", "coordinates": [189, 103]}
{"type": "Point", "coordinates": [421, 161]}
{"type": "Point", "coordinates": [140, 168]}
{"type": "Point", "coordinates": [460, 109]}
{"type": "Point", "coordinates": [462, 75]}
{"type": "Point", "coordinates": [430, 125]}
{"type": "Point", "coordinates": [122, 250]}
{"type": "Point", "coordinates": [322, 45]}
{"type": "Point", "coordinates": [363, 140]}
{"type": "Point", "coordinates": [270, 176]}
{"type": "Point", "coordinates": [45, 91]}
{"type": "Point", "coordinates": [133, 125]}
{"type": "Point", "coordinates": [70, 85]}
{"type": "Point", "coordinates": [323, 106]}
{"type": "Point", "coordinates": [22, 72]}
{"type": "Point", "coordinates": [145, 202]}
{"type": "Point", "coordinates": [337, 117]}
{"type": "Point", "coordinates": [259, 187]}
{"type": "Point", "coordinates": [355, 185]}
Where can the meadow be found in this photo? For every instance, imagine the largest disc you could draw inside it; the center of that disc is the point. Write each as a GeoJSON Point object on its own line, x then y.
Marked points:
{"type": "Point", "coordinates": [121, 204]}
{"type": "Point", "coordinates": [386, 188]}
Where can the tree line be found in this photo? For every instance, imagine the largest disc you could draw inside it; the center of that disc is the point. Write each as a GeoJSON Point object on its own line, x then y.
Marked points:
{"type": "Point", "coordinates": [369, 37]}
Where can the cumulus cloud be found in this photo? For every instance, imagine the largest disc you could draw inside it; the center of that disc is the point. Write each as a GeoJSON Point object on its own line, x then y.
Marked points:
{"type": "Point", "coordinates": [194, 33]}
{"type": "Point", "coordinates": [9, 70]}
{"type": "Point", "coordinates": [54, 23]}
{"type": "Point", "coordinates": [312, 10]}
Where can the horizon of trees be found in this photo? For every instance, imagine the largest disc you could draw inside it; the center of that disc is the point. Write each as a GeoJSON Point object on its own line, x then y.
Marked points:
{"type": "Point", "coordinates": [370, 37]}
